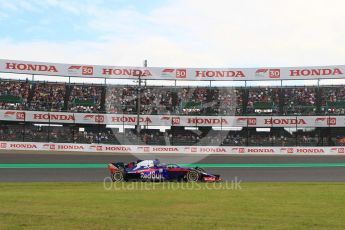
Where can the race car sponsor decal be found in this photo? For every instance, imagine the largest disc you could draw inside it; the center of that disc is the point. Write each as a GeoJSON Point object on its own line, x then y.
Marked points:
{"type": "Point", "coordinates": [209, 179]}
{"type": "Point", "coordinates": [156, 175]}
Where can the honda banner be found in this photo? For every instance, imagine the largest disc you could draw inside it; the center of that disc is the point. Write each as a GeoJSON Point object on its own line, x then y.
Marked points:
{"type": "Point", "coordinates": [161, 73]}
{"type": "Point", "coordinates": [74, 147]}
{"type": "Point", "coordinates": [173, 120]}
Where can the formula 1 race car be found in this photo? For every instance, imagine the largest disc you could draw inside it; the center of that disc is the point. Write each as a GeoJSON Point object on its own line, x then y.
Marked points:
{"type": "Point", "coordinates": [153, 170]}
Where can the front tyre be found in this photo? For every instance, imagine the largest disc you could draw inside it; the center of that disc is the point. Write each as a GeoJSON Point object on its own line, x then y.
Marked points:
{"type": "Point", "coordinates": [193, 176]}
{"type": "Point", "coordinates": [117, 176]}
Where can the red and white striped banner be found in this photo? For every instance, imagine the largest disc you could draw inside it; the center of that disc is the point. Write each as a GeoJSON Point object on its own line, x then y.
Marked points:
{"type": "Point", "coordinates": [140, 149]}
{"type": "Point", "coordinates": [168, 73]}
{"type": "Point", "coordinates": [172, 120]}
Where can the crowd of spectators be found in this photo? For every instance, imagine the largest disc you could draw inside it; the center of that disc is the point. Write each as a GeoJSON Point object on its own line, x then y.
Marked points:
{"type": "Point", "coordinates": [13, 132]}
{"type": "Point", "coordinates": [230, 101]}
{"type": "Point", "coordinates": [153, 100]}
{"type": "Point", "coordinates": [120, 99]}
{"type": "Point", "coordinates": [299, 101]}
{"type": "Point", "coordinates": [95, 136]}
{"type": "Point", "coordinates": [48, 97]}
{"type": "Point", "coordinates": [101, 135]}
{"type": "Point", "coordinates": [14, 94]}
{"type": "Point", "coordinates": [182, 137]}
{"type": "Point", "coordinates": [263, 100]}
{"type": "Point", "coordinates": [85, 99]}
{"type": "Point", "coordinates": [330, 96]}
{"type": "Point", "coordinates": [165, 100]}
{"type": "Point", "coordinates": [219, 101]}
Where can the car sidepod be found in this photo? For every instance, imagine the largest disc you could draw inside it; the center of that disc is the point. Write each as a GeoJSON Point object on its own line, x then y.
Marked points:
{"type": "Point", "coordinates": [149, 174]}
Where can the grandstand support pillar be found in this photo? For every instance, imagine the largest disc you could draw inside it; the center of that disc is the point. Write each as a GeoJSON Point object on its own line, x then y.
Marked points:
{"type": "Point", "coordinates": [281, 100]}
{"type": "Point", "coordinates": [318, 98]}
{"type": "Point", "coordinates": [98, 131]}
{"type": "Point", "coordinates": [329, 133]}
{"type": "Point", "coordinates": [138, 107]}
{"type": "Point", "coordinates": [221, 124]}
{"type": "Point", "coordinates": [296, 133]}
{"type": "Point", "coordinates": [247, 137]}
{"type": "Point", "coordinates": [123, 130]}
{"type": "Point", "coordinates": [49, 127]}
{"type": "Point", "coordinates": [24, 124]}
{"type": "Point", "coordinates": [196, 127]}
{"type": "Point", "coordinates": [270, 135]}
{"type": "Point", "coordinates": [138, 102]}
{"type": "Point", "coordinates": [33, 77]}
{"type": "Point", "coordinates": [73, 130]}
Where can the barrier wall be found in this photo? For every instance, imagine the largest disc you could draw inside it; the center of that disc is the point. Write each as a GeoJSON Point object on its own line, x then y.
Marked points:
{"type": "Point", "coordinates": [139, 149]}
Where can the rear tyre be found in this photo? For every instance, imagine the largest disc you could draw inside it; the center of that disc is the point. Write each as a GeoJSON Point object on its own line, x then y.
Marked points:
{"type": "Point", "coordinates": [193, 176]}
{"type": "Point", "coordinates": [117, 176]}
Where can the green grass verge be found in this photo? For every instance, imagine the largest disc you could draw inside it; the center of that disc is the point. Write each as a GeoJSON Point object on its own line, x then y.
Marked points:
{"type": "Point", "coordinates": [90, 206]}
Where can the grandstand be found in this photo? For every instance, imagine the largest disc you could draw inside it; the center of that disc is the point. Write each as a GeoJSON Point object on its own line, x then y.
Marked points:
{"type": "Point", "coordinates": [209, 114]}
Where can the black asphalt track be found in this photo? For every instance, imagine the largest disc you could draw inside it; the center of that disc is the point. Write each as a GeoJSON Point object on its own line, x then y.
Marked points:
{"type": "Point", "coordinates": [245, 174]}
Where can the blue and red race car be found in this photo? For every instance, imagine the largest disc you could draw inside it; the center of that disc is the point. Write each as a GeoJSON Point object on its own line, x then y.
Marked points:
{"type": "Point", "coordinates": [153, 170]}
